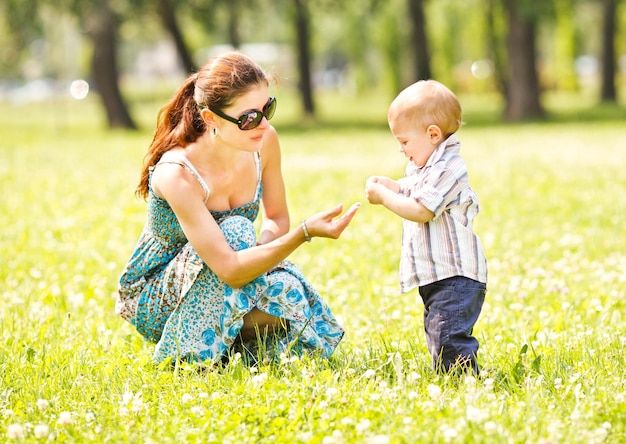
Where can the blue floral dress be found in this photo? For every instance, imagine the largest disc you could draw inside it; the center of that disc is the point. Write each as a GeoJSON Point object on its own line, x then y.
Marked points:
{"type": "Point", "coordinates": [174, 300]}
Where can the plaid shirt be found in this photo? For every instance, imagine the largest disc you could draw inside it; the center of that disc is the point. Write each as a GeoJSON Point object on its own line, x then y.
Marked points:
{"type": "Point", "coordinates": [445, 246]}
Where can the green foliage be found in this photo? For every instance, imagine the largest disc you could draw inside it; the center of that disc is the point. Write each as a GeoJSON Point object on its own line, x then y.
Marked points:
{"type": "Point", "coordinates": [552, 331]}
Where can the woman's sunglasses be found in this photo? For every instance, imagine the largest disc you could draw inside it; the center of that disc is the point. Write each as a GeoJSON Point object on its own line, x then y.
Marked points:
{"type": "Point", "coordinates": [251, 119]}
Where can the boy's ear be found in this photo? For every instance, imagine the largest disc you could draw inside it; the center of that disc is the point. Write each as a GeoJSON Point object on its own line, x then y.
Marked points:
{"type": "Point", "coordinates": [434, 134]}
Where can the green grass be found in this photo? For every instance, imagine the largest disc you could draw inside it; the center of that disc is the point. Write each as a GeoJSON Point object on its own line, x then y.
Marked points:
{"type": "Point", "coordinates": [552, 330]}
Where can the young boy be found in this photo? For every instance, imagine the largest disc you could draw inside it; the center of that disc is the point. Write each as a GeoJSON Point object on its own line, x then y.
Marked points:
{"type": "Point", "coordinates": [440, 253]}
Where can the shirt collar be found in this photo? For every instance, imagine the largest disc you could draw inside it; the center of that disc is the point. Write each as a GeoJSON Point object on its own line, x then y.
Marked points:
{"type": "Point", "coordinates": [436, 155]}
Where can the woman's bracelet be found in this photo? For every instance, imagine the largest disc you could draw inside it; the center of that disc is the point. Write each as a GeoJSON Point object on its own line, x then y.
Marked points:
{"type": "Point", "coordinates": [306, 232]}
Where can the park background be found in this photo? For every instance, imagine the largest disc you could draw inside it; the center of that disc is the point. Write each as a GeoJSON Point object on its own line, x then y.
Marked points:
{"type": "Point", "coordinates": [543, 88]}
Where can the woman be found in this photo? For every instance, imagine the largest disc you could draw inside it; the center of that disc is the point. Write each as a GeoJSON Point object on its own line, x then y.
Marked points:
{"type": "Point", "coordinates": [199, 281]}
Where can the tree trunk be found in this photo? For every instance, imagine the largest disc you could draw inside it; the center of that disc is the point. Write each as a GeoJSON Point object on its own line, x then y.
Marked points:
{"type": "Point", "coordinates": [233, 23]}
{"type": "Point", "coordinates": [609, 29]}
{"type": "Point", "coordinates": [304, 57]}
{"type": "Point", "coordinates": [168, 15]}
{"type": "Point", "coordinates": [420, 40]}
{"type": "Point", "coordinates": [523, 92]}
{"type": "Point", "coordinates": [495, 48]}
{"type": "Point", "coordinates": [102, 30]}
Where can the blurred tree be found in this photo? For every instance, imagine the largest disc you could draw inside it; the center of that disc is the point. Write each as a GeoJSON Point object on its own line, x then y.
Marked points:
{"type": "Point", "coordinates": [234, 13]}
{"type": "Point", "coordinates": [302, 21]}
{"type": "Point", "coordinates": [564, 75]}
{"type": "Point", "coordinates": [393, 44]}
{"type": "Point", "coordinates": [205, 13]}
{"type": "Point", "coordinates": [23, 26]}
{"type": "Point", "coordinates": [101, 24]}
{"type": "Point", "coordinates": [496, 32]}
{"type": "Point", "coordinates": [167, 12]}
{"type": "Point", "coordinates": [608, 58]}
{"type": "Point", "coordinates": [420, 39]}
{"type": "Point", "coordinates": [522, 90]}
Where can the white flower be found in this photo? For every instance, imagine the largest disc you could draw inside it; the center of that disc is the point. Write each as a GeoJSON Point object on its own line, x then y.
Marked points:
{"type": "Point", "coordinates": [41, 431]}
{"type": "Point", "coordinates": [369, 373]}
{"type": "Point", "coordinates": [90, 417]}
{"type": "Point", "coordinates": [491, 428]}
{"type": "Point", "coordinates": [42, 404]}
{"type": "Point", "coordinates": [434, 391]}
{"type": "Point", "coordinates": [475, 414]}
{"type": "Point", "coordinates": [137, 404]}
{"type": "Point", "coordinates": [378, 439]}
{"type": "Point", "coordinates": [186, 398]}
{"type": "Point", "coordinates": [15, 431]}
{"type": "Point", "coordinates": [488, 383]}
{"type": "Point", "coordinates": [259, 379]}
{"type": "Point", "coordinates": [65, 418]}
{"type": "Point", "coordinates": [197, 410]}
{"type": "Point", "coordinates": [363, 426]}
{"type": "Point", "coordinates": [449, 433]}
{"type": "Point", "coordinates": [558, 383]}
{"type": "Point", "coordinates": [414, 376]}
{"type": "Point", "coordinates": [127, 397]}
{"type": "Point", "coordinates": [331, 392]}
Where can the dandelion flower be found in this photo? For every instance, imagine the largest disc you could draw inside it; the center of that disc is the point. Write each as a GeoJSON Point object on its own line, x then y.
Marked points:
{"type": "Point", "coordinates": [434, 391]}
{"type": "Point", "coordinates": [65, 418]}
{"type": "Point", "coordinates": [41, 431]}
{"type": "Point", "coordinates": [186, 398]}
{"type": "Point", "coordinates": [369, 373]}
{"type": "Point", "coordinates": [449, 433]}
{"type": "Point", "coordinates": [15, 431]}
{"type": "Point", "coordinates": [331, 392]}
{"type": "Point", "coordinates": [491, 428]}
{"type": "Point", "coordinates": [475, 414]}
{"type": "Point", "coordinates": [363, 426]}
{"type": "Point", "coordinates": [378, 439]}
{"type": "Point", "coordinates": [259, 380]}
{"type": "Point", "coordinates": [42, 404]}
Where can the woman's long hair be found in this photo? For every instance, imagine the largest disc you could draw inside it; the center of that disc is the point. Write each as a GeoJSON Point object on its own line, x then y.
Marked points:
{"type": "Point", "coordinates": [216, 86]}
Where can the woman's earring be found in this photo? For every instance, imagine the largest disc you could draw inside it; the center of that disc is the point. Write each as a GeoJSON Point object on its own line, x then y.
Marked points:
{"type": "Point", "coordinates": [214, 131]}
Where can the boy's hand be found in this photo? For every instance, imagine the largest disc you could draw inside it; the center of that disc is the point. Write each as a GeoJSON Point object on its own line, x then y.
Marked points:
{"type": "Point", "coordinates": [377, 186]}
{"type": "Point", "coordinates": [384, 181]}
{"type": "Point", "coordinates": [374, 192]}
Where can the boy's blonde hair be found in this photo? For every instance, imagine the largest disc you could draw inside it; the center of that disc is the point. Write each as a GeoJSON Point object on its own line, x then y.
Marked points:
{"type": "Point", "coordinates": [425, 103]}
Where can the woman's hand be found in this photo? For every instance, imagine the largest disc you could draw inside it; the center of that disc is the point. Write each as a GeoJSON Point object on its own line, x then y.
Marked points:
{"type": "Point", "coordinates": [328, 224]}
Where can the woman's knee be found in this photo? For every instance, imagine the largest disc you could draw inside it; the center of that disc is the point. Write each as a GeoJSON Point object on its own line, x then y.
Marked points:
{"type": "Point", "coordinates": [239, 232]}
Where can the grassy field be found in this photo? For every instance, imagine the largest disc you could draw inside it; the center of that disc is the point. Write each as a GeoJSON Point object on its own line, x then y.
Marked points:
{"type": "Point", "coordinates": [552, 332]}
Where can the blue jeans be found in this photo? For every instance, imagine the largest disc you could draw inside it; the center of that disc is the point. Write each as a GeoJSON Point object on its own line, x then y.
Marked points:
{"type": "Point", "coordinates": [451, 308]}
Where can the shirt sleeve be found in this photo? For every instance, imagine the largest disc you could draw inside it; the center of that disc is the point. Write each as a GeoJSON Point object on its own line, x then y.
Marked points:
{"type": "Point", "coordinates": [438, 189]}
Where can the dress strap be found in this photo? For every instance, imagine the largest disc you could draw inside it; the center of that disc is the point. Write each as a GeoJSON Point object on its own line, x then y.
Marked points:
{"type": "Point", "coordinates": [257, 158]}
{"type": "Point", "coordinates": [189, 167]}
